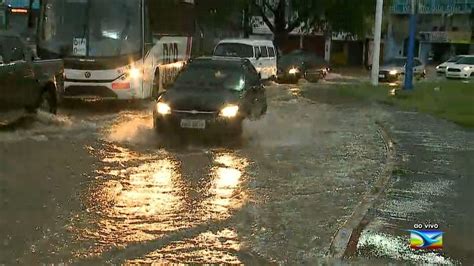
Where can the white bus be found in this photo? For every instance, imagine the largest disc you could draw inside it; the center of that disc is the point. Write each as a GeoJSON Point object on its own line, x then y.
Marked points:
{"type": "Point", "coordinates": [116, 49]}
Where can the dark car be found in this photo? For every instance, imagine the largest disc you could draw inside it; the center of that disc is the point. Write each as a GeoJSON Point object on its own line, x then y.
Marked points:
{"type": "Point", "coordinates": [26, 82]}
{"type": "Point", "coordinates": [211, 94]}
{"type": "Point", "coordinates": [301, 64]}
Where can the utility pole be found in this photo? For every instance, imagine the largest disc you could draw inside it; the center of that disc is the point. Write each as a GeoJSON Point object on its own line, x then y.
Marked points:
{"type": "Point", "coordinates": [411, 48]}
{"type": "Point", "coordinates": [377, 40]}
{"type": "Point", "coordinates": [30, 14]}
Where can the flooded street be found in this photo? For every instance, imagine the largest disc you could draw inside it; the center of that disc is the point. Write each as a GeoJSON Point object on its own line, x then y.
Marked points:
{"type": "Point", "coordinates": [96, 184]}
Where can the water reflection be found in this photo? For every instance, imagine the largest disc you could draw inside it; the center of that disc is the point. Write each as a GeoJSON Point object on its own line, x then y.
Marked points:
{"type": "Point", "coordinates": [295, 91]}
{"type": "Point", "coordinates": [145, 197]}
{"type": "Point", "coordinates": [207, 247]}
{"type": "Point", "coordinates": [225, 192]}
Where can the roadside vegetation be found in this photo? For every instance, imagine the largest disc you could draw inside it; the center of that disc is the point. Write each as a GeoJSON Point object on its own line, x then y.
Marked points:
{"type": "Point", "coordinates": [451, 100]}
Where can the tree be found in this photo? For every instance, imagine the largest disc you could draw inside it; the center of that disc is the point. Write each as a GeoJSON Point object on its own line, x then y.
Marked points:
{"type": "Point", "coordinates": [328, 16]}
{"type": "Point", "coordinates": [219, 13]}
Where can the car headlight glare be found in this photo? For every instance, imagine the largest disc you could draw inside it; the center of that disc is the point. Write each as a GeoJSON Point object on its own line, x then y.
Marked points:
{"type": "Point", "coordinates": [393, 72]}
{"type": "Point", "coordinates": [163, 108]}
{"type": "Point", "coordinates": [229, 111]}
{"type": "Point", "coordinates": [466, 68]}
{"type": "Point", "coordinates": [293, 71]}
{"type": "Point", "coordinates": [135, 73]}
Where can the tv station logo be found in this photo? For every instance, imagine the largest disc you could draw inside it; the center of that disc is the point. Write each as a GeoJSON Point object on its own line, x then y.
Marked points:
{"type": "Point", "coordinates": [426, 236]}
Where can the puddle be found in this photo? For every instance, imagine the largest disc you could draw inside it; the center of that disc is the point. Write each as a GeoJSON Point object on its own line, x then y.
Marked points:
{"type": "Point", "coordinates": [151, 197]}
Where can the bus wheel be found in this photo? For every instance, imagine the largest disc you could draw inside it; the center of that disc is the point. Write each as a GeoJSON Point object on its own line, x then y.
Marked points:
{"type": "Point", "coordinates": [156, 85]}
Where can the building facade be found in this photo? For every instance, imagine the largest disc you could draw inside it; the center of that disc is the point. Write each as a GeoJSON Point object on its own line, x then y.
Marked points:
{"type": "Point", "coordinates": [18, 13]}
{"type": "Point", "coordinates": [444, 28]}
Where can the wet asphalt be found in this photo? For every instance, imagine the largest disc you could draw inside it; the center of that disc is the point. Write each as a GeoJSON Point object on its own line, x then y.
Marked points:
{"type": "Point", "coordinates": [431, 184]}
{"type": "Point", "coordinates": [95, 184]}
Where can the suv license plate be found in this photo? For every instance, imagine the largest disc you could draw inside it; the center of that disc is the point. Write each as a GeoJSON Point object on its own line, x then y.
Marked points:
{"type": "Point", "coordinates": [192, 123]}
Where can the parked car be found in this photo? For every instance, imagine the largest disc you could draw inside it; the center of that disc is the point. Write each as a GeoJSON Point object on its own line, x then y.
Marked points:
{"type": "Point", "coordinates": [301, 64]}
{"type": "Point", "coordinates": [464, 68]}
{"type": "Point", "coordinates": [441, 69]}
{"type": "Point", "coordinates": [394, 69]}
{"type": "Point", "coordinates": [261, 53]}
{"type": "Point", "coordinates": [212, 94]}
{"type": "Point", "coordinates": [26, 82]}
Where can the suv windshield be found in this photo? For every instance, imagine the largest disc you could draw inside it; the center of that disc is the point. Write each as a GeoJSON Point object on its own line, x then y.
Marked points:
{"type": "Point", "coordinates": [454, 59]}
{"type": "Point", "coordinates": [85, 28]}
{"type": "Point", "coordinates": [398, 62]}
{"type": "Point", "coordinates": [234, 50]}
{"type": "Point", "coordinates": [291, 59]}
{"type": "Point", "coordinates": [466, 61]}
{"type": "Point", "coordinates": [202, 76]}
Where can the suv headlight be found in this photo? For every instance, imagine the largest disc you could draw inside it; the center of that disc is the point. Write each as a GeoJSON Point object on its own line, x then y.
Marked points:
{"type": "Point", "coordinates": [163, 108]}
{"type": "Point", "coordinates": [229, 111]}
{"type": "Point", "coordinates": [293, 70]}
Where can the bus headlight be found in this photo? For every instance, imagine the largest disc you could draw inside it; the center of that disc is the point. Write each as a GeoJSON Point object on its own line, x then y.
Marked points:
{"type": "Point", "coordinates": [135, 73]}
{"type": "Point", "coordinates": [229, 111]}
{"type": "Point", "coordinates": [163, 108]}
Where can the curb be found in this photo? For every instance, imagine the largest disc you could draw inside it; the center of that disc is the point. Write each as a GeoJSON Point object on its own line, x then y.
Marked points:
{"type": "Point", "coordinates": [345, 241]}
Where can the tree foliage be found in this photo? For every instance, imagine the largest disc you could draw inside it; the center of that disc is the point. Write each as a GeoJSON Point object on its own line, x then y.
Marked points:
{"type": "Point", "coordinates": [219, 13]}
{"type": "Point", "coordinates": [283, 16]}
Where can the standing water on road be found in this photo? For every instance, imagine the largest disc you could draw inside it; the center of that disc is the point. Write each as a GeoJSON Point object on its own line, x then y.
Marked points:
{"type": "Point", "coordinates": [292, 181]}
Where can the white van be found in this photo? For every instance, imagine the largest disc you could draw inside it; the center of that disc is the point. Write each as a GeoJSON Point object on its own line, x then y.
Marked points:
{"type": "Point", "coordinates": [261, 53]}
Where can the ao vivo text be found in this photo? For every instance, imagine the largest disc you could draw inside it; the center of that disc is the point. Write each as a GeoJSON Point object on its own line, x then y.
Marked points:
{"type": "Point", "coordinates": [425, 226]}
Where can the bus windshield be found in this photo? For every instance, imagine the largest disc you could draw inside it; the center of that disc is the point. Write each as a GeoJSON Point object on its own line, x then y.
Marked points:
{"type": "Point", "coordinates": [90, 28]}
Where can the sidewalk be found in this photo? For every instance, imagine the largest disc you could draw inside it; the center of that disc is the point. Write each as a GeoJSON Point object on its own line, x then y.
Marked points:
{"type": "Point", "coordinates": [434, 184]}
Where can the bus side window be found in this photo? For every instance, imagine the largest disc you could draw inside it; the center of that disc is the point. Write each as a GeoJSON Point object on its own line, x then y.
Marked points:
{"type": "Point", "coordinates": [257, 52]}
{"type": "Point", "coordinates": [264, 51]}
{"type": "Point", "coordinates": [271, 52]}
